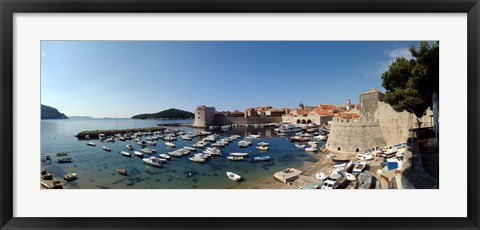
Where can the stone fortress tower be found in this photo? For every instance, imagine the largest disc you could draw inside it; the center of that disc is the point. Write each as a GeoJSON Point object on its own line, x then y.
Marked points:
{"type": "Point", "coordinates": [369, 103]}
{"type": "Point", "coordinates": [204, 116]}
{"type": "Point", "coordinates": [379, 125]}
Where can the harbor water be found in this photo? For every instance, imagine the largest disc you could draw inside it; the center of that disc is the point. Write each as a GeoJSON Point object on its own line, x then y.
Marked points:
{"type": "Point", "coordinates": [96, 169]}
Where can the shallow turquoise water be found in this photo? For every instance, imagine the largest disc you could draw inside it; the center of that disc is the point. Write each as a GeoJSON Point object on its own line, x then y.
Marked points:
{"type": "Point", "coordinates": [96, 168]}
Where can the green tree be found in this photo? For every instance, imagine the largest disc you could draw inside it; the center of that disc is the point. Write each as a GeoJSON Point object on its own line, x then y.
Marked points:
{"type": "Point", "coordinates": [410, 84]}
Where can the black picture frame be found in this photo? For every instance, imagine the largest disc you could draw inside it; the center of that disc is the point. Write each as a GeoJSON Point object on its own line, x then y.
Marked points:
{"type": "Point", "coordinates": [9, 7]}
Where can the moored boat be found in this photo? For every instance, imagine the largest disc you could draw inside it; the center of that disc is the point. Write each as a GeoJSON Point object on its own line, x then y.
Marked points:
{"type": "Point", "coordinates": [127, 154]}
{"type": "Point", "coordinates": [163, 155]}
{"type": "Point", "coordinates": [234, 158]}
{"type": "Point", "coordinates": [170, 144]}
{"type": "Point", "coordinates": [105, 148]}
{"type": "Point", "coordinates": [263, 144]}
{"type": "Point", "coordinates": [239, 154]}
{"type": "Point", "coordinates": [70, 176]}
{"type": "Point", "coordinates": [62, 154]}
{"type": "Point", "coordinates": [262, 148]}
{"type": "Point", "coordinates": [65, 160]}
{"type": "Point", "coordinates": [358, 167]}
{"type": "Point", "coordinates": [197, 159]}
{"type": "Point", "coordinates": [262, 158]}
{"type": "Point", "coordinates": [122, 171]}
{"type": "Point", "coordinates": [153, 161]}
{"type": "Point", "coordinates": [138, 153]}
{"type": "Point", "coordinates": [147, 150]}
{"type": "Point", "coordinates": [311, 149]}
{"type": "Point", "coordinates": [300, 146]}
{"type": "Point", "coordinates": [233, 176]}
{"type": "Point", "coordinates": [91, 144]}
{"type": "Point", "coordinates": [129, 146]}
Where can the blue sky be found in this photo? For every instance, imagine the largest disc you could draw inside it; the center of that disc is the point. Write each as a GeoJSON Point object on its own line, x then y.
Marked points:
{"type": "Point", "coordinates": [125, 78]}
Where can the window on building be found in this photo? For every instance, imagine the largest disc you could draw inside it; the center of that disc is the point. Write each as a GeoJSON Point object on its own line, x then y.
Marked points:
{"type": "Point", "coordinates": [338, 148]}
{"type": "Point", "coordinates": [357, 150]}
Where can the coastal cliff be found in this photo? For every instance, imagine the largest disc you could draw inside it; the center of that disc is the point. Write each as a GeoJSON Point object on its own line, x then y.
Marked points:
{"type": "Point", "coordinates": [52, 113]}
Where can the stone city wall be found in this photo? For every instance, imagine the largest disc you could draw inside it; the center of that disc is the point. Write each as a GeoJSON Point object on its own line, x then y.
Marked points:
{"type": "Point", "coordinates": [351, 136]}
{"type": "Point", "coordinates": [224, 120]}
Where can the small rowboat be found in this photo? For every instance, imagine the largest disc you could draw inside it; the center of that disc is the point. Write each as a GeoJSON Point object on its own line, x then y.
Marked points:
{"type": "Point", "coordinates": [233, 176]}
{"type": "Point", "coordinates": [70, 176]}
{"type": "Point", "coordinates": [122, 171]}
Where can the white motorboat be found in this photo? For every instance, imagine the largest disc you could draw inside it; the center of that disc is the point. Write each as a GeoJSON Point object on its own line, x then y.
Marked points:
{"type": "Point", "coordinates": [187, 137]}
{"type": "Point", "coordinates": [300, 146]}
{"type": "Point", "coordinates": [175, 154]}
{"type": "Point", "coordinates": [153, 161]}
{"type": "Point", "coordinates": [163, 155]}
{"type": "Point", "coordinates": [197, 159]}
{"type": "Point", "coordinates": [190, 148]}
{"type": "Point", "coordinates": [127, 154]}
{"type": "Point", "coordinates": [233, 176]}
{"type": "Point", "coordinates": [129, 146]}
{"type": "Point", "coordinates": [239, 154]}
{"type": "Point", "coordinates": [263, 144]}
{"type": "Point", "coordinates": [311, 149]}
{"type": "Point", "coordinates": [170, 144]}
{"type": "Point", "coordinates": [148, 150]}
{"type": "Point", "coordinates": [91, 144]}
{"type": "Point", "coordinates": [262, 148]}
{"type": "Point", "coordinates": [152, 143]}
{"type": "Point", "coordinates": [364, 157]}
{"type": "Point", "coordinates": [137, 153]}
{"type": "Point", "coordinates": [262, 158]}
{"type": "Point", "coordinates": [105, 148]}
{"type": "Point", "coordinates": [234, 158]}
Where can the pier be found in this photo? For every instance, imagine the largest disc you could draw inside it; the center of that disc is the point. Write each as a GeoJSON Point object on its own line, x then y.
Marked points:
{"type": "Point", "coordinates": [94, 133]}
{"type": "Point", "coordinates": [176, 124]}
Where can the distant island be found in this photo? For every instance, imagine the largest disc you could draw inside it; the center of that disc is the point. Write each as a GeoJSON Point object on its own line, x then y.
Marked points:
{"type": "Point", "coordinates": [166, 114]}
{"type": "Point", "coordinates": [52, 113]}
{"type": "Point", "coordinates": [80, 117]}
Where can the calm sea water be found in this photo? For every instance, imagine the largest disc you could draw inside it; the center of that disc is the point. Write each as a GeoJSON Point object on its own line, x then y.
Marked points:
{"type": "Point", "coordinates": [96, 168]}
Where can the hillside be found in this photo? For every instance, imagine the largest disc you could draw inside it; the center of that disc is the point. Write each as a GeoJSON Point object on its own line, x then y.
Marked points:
{"type": "Point", "coordinates": [52, 113]}
{"type": "Point", "coordinates": [166, 114]}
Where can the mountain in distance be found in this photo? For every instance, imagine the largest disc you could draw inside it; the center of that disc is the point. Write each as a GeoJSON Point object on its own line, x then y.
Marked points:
{"type": "Point", "coordinates": [80, 117]}
{"type": "Point", "coordinates": [52, 113]}
{"type": "Point", "coordinates": [166, 114]}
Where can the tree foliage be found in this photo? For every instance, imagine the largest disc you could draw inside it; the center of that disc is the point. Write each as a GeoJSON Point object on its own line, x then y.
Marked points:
{"type": "Point", "coordinates": [410, 84]}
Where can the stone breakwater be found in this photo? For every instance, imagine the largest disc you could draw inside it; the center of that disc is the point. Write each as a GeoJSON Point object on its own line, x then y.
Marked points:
{"type": "Point", "coordinates": [93, 134]}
